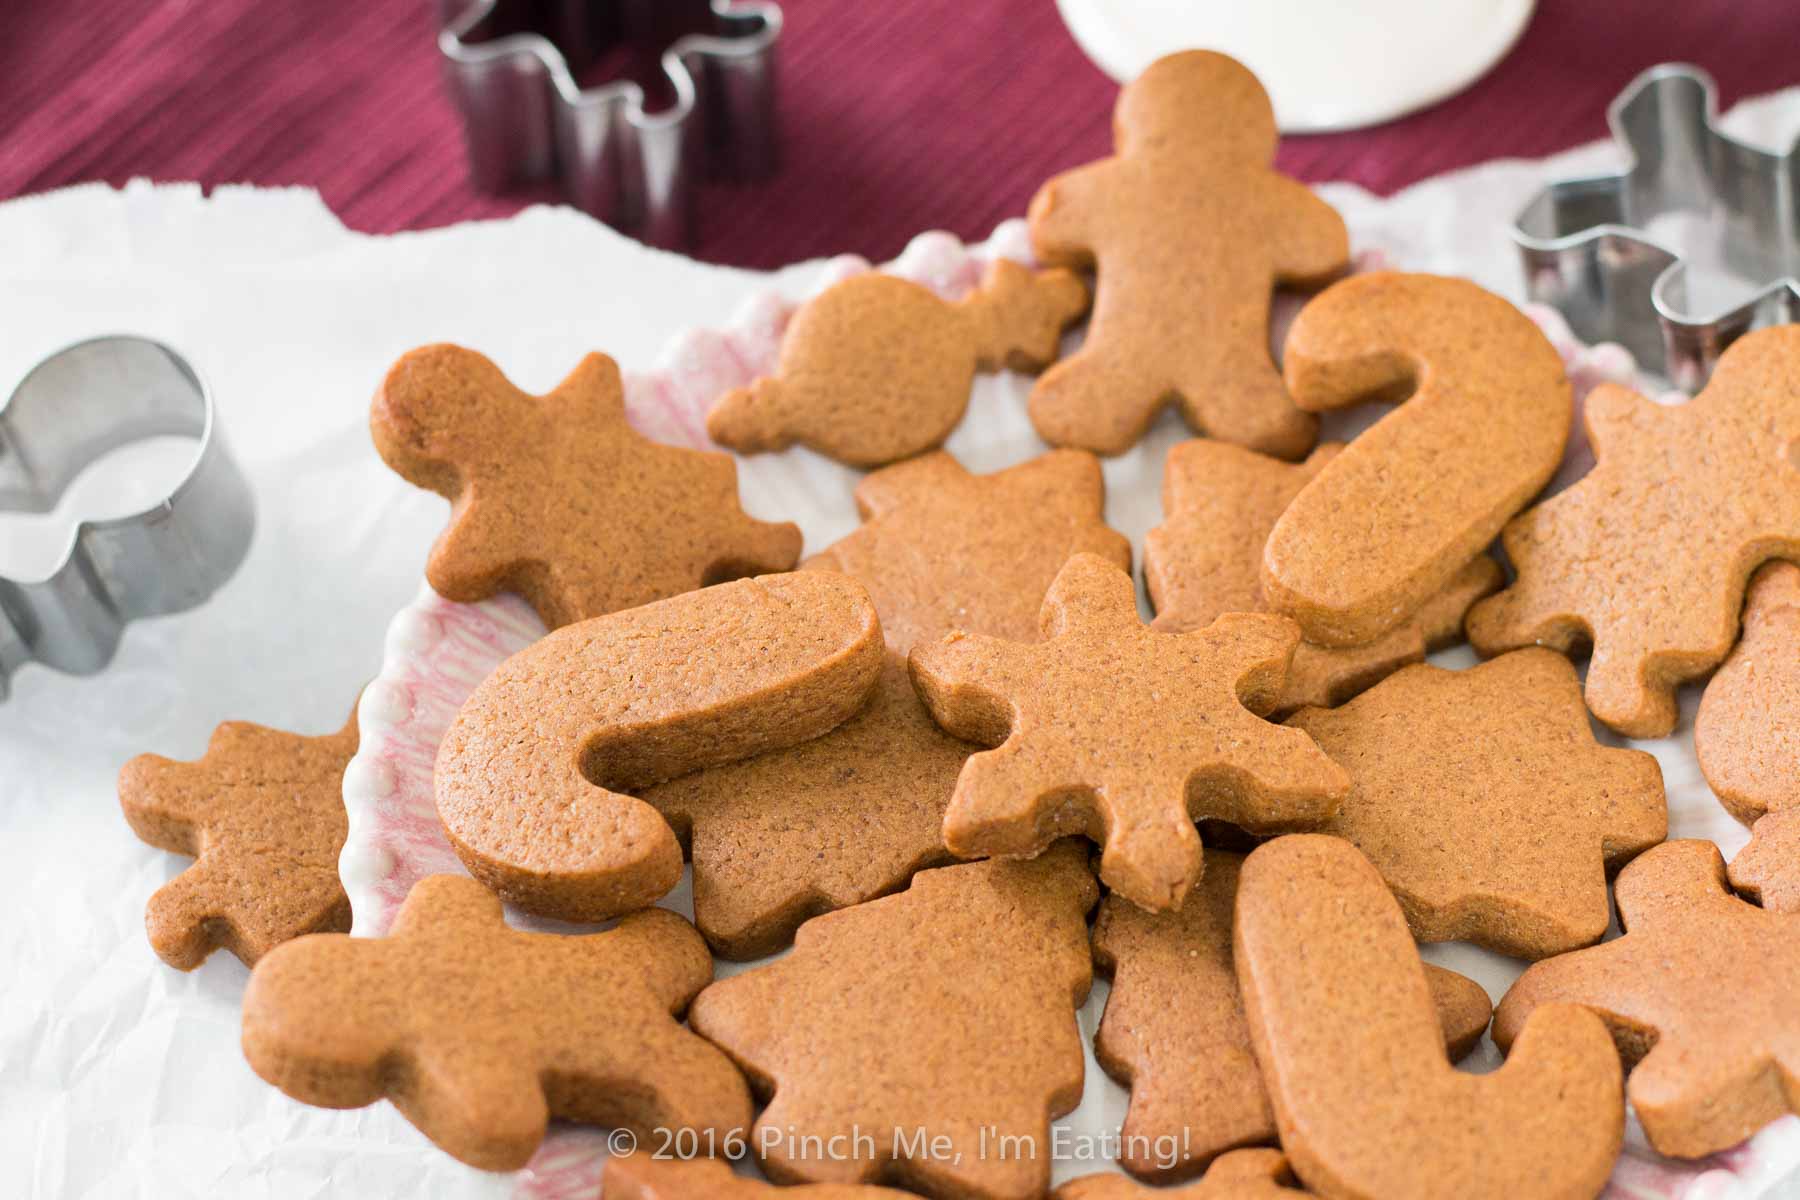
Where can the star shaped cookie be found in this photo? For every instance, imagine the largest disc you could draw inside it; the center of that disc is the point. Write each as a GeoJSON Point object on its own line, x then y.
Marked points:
{"type": "Point", "coordinates": [556, 498]}
{"type": "Point", "coordinates": [1485, 803]}
{"type": "Point", "coordinates": [1700, 993]}
{"type": "Point", "coordinates": [480, 1033]}
{"type": "Point", "coordinates": [1127, 735]}
{"type": "Point", "coordinates": [1220, 503]}
{"type": "Point", "coordinates": [263, 814]}
{"type": "Point", "coordinates": [1647, 555]}
{"type": "Point", "coordinates": [940, 549]}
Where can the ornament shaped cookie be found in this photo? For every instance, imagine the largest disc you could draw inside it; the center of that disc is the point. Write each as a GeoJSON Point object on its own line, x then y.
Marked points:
{"type": "Point", "coordinates": [1699, 994]}
{"type": "Point", "coordinates": [1647, 556]}
{"type": "Point", "coordinates": [1190, 231]}
{"type": "Point", "coordinates": [877, 368]}
{"type": "Point", "coordinates": [1220, 503]}
{"type": "Point", "coordinates": [532, 774]}
{"type": "Point", "coordinates": [555, 497]}
{"type": "Point", "coordinates": [262, 812]}
{"type": "Point", "coordinates": [1483, 799]}
{"type": "Point", "coordinates": [480, 1033]}
{"type": "Point", "coordinates": [1241, 1175]}
{"type": "Point", "coordinates": [643, 1176]}
{"type": "Point", "coordinates": [940, 548]}
{"type": "Point", "coordinates": [933, 1023]}
{"type": "Point", "coordinates": [1357, 1023]}
{"type": "Point", "coordinates": [1174, 1029]}
{"type": "Point", "coordinates": [1483, 420]}
{"type": "Point", "coordinates": [1113, 730]}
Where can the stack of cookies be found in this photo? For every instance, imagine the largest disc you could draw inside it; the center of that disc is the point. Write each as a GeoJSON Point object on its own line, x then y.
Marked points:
{"type": "Point", "coordinates": [946, 762]}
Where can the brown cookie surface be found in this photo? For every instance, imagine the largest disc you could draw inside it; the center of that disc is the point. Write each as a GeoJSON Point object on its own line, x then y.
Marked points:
{"type": "Point", "coordinates": [1174, 1029]}
{"type": "Point", "coordinates": [1483, 799]}
{"type": "Point", "coordinates": [479, 1033]}
{"type": "Point", "coordinates": [644, 1177]}
{"type": "Point", "coordinates": [1768, 869]}
{"type": "Point", "coordinates": [1126, 735]}
{"type": "Point", "coordinates": [1647, 556]}
{"type": "Point", "coordinates": [532, 774]}
{"type": "Point", "coordinates": [1358, 1023]}
{"type": "Point", "coordinates": [877, 368]}
{"type": "Point", "coordinates": [933, 1023]}
{"type": "Point", "coordinates": [1241, 1175]}
{"type": "Point", "coordinates": [1483, 420]}
{"type": "Point", "coordinates": [1220, 503]}
{"type": "Point", "coordinates": [1699, 995]}
{"type": "Point", "coordinates": [1189, 232]}
{"type": "Point", "coordinates": [555, 497]}
{"type": "Point", "coordinates": [1747, 733]}
{"type": "Point", "coordinates": [262, 812]}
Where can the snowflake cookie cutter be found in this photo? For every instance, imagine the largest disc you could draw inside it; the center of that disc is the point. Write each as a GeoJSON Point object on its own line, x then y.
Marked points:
{"type": "Point", "coordinates": [1589, 251]}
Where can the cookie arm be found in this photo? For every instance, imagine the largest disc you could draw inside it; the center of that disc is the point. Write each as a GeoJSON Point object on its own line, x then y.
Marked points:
{"type": "Point", "coordinates": [1312, 246]}
{"type": "Point", "coordinates": [1062, 215]}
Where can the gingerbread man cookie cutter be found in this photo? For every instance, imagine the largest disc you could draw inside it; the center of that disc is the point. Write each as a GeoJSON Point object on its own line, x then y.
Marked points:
{"type": "Point", "coordinates": [78, 404]}
{"type": "Point", "coordinates": [1589, 250]}
{"type": "Point", "coordinates": [526, 115]}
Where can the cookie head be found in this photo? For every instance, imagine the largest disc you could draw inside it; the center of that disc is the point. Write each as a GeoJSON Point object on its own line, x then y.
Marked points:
{"type": "Point", "coordinates": [1197, 100]}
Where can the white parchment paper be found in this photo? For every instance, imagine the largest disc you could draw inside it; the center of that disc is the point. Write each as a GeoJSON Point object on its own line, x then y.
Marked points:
{"type": "Point", "coordinates": [121, 1077]}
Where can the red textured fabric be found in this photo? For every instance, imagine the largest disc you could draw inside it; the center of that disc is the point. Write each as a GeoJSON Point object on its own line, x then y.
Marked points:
{"type": "Point", "coordinates": [896, 118]}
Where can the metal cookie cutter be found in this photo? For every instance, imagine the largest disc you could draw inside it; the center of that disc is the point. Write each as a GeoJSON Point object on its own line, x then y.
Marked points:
{"type": "Point", "coordinates": [1587, 252]}
{"type": "Point", "coordinates": [511, 67]}
{"type": "Point", "coordinates": [76, 405]}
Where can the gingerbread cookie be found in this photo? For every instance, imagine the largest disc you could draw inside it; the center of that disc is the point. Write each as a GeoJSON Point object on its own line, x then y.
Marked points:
{"type": "Point", "coordinates": [1126, 735]}
{"type": "Point", "coordinates": [1699, 994]}
{"type": "Point", "coordinates": [941, 549]}
{"type": "Point", "coordinates": [531, 776]}
{"type": "Point", "coordinates": [1747, 733]}
{"type": "Point", "coordinates": [1388, 523]}
{"type": "Point", "coordinates": [645, 1177]}
{"type": "Point", "coordinates": [262, 812]}
{"type": "Point", "coordinates": [1241, 1175]}
{"type": "Point", "coordinates": [1220, 503]}
{"type": "Point", "coordinates": [556, 498]}
{"type": "Point", "coordinates": [1357, 1022]}
{"type": "Point", "coordinates": [1484, 801]}
{"type": "Point", "coordinates": [1646, 557]}
{"type": "Point", "coordinates": [479, 1033]}
{"type": "Point", "coordinates": [1190, 231]}
{"type": "Point", "coordinates": [1174, 1029]}
{"type": "Point", "coordinates": [877, 368]}
{"type": "Point", "coordinates": [919, 1030]}
{"type": "Point", "coordinates": [1768, 869]}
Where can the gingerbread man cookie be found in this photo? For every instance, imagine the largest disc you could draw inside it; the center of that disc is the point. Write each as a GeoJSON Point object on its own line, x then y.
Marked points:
{"type": "Point", "coordinates": [1481, 427]}
{"type": "Point", "coordinates": [556, 498]}
{"type": "Point", "coordinates": [532, 775]}
{"type": "Point", "coordinates": [1113, 730]}
{"type": "Point", "coordinates": [263, 814]}
{"type": "Point", "coordinates": [1174, 1029]}
{"type": "Point", "coordinates": [1647, 556]}
{"type": "Point", "coordinates": [940, 548]}
{"type": "Point", "coordinates": [1190, 232]}
{"type": "Point", "coordinates": [645, 1176]}
{"type": "Point", "coordinates": [877, 368]}
{"type": "Point", "coordinates": [1699, 994]}
{"type": "Point", "coordinates": [1357, 1023]}
{"type": "Point", "coordinates": [479, 1033]}
{"type": "Point", "coordinates": [1220, 504]}
{"type": "Point", "coordinates": [909, 1035]}
{"type": "Point", "coordinates": [1241, 1175]}
{"type": "Point", "coordinates": [1494, 816]}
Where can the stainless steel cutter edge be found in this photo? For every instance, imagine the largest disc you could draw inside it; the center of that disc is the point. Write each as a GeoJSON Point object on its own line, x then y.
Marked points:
{"type": "Point", "coordinates": [79, 403]}
{"type": "Point", "coordinates": [525, 117]}
{"type": "Point", "coordinates": [1586, 253]}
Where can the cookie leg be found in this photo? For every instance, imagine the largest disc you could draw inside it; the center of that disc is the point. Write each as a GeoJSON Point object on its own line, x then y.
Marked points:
{"type": "Point", "coordinates": [1240, 399]}
{"type": "Point", "coordinates": [1101, 399]}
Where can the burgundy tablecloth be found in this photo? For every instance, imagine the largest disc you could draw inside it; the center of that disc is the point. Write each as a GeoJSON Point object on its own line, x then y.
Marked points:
{"type": "Point", "coordinates": [897, 117]}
